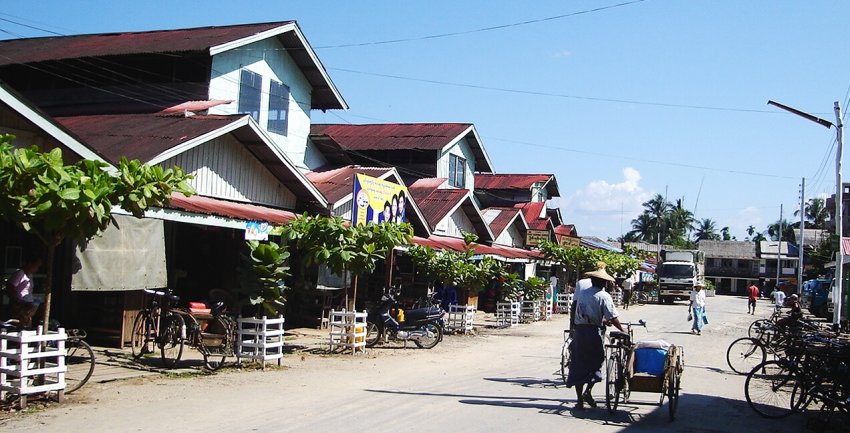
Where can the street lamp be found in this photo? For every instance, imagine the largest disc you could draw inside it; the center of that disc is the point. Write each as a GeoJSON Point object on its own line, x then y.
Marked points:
{"type": "Point", "coordinates": [837, 293]}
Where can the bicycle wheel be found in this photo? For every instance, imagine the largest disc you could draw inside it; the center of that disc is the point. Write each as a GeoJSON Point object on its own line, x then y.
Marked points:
{"type": "Point", "coordinates": [142, 340]}
{"type": "Point", "coordinates": [612, 388]}
{"type": "Point", "coordinates": [673, 396]}
{"type": "Point", "coordinates": [565, 359]}
{"type": "Point", "coordinates": [79, 360]}
{"type": "Point", "coordinates": [214, 356]}
{"type": "Point", "coordinates": [744, 354]}
{"type": "Point", "coordinates": [756, 328]}
{"type": "Point", "coordinates": [171, 339]}
{"type": "Point", "coordinates": [772, 390]}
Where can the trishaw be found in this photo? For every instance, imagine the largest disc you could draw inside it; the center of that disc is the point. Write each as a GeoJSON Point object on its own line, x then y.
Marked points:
{"type": "Point", "coordinates": [630, 369]}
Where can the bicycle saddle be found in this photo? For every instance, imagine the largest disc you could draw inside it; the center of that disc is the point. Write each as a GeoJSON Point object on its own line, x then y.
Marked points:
{"type": "Point", "coordinates": [617, 335]}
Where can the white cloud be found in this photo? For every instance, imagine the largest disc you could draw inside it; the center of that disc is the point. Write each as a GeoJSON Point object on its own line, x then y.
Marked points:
{"type": "Point", "coordinates": [562, 53]}
{"type": "Point", "coordinates": [601, 197]}
{"type": "Point", "coordinates": [599, 208]}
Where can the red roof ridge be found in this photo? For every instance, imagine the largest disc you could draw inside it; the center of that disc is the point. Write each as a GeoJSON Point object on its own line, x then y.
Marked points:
{"type": "Point", "coordinates": [142, 32]}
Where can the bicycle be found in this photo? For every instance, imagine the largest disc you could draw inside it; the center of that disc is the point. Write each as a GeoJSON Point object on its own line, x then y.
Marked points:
{"type": "Point", "coordinates": [771, 338]}
{"type": "Point", "coordinates": [79, 356]}
{"type": "Point", "coordinates": [79, 360]}
{"type": "Point", "coordinates": [566, 352]}
{"type": "Point", "coordinates": [211, 332]}
{"type": "Point", "coordinates": [154, 329]}
{"type": "Point", "coordinates": [616, 383]}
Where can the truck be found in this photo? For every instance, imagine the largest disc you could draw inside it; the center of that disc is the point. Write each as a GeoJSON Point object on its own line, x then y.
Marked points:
{"type": "Point", "coordinates": [678, 272]}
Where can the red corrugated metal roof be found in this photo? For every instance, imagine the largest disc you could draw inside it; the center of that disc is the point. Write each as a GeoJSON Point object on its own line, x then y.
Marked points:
{"type": "Point", "coordinates": [31, 50]}
{"type": "Point", "coordinates": [337, 183]}
{"type": "Point", "coordinates": [509, 181]}
{"type": "Point", "coordinates": [566, 230]}
{"type": "Point", "coordinates": [140, 136]}
{"type": "Point", "coordinates": [439, 203]}
{"type": "Point", "coordinates": [392, 136]}
{"type": "Point", "coordinates": [502, 220]}
{"type": "Point", "coordinates": [457, 244]}
{"type": "Point", "coordinates": [223, 208]}
{"type": "Point", "coordinates": [532, 212]}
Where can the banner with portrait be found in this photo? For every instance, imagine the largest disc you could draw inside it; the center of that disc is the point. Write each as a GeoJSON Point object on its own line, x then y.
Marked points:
{"type": "Point", "coordinates": [377, 201]}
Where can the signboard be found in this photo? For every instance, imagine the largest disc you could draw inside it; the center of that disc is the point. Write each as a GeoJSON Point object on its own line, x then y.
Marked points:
{"type": "Point", "coordinates": [569, 241]}
{"type": "Point", "coordinates": [257, 231]}
{"type": "Point", "coordinates": [535, 237]}
{"type": "Point", "coordinates": [378, 201]}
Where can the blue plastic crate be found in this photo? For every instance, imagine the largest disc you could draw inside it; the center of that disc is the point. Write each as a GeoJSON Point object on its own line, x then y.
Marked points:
{"type": "Point", "coordinates": [650, 361]}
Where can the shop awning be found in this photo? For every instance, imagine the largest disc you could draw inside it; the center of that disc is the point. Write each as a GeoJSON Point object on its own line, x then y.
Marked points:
{"type": "Point", "coordinates": [215, 212]}
{"type": "Point", "coordinates": [457, 244]}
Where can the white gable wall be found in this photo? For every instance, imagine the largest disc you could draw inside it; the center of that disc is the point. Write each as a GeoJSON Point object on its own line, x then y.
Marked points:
{"type": "Point", "coordinates": [269, 59]}
{"type": "Point", "coordinates": [223, 168]}
{"type": "Point", "coordinates": [455, 224]}
{"type": "Point", "coordinates": [462, 149]}
{"type": "Point", "coordinates": [511, 237]}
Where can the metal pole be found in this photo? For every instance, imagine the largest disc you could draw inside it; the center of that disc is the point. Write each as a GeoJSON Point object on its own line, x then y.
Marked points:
{"type": "Point", "coordinates": [778, 251]}
{"type": "Point", "coordinates": [802, 233]}
{"type": "Point", "coordinates": [839, 219]}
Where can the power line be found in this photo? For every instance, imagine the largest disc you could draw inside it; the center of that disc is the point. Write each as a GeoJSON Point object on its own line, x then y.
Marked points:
{"type": "Point", "coordinates": [632, 158]}
{"type": "Point", "coordinates": [483, 29]}
{"type": "Point", "coordinates": [555, 95]}
{"type": "Point", "coordinates": [31, 27]}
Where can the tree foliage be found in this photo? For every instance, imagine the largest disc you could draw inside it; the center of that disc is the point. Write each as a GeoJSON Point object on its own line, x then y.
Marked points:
{"type": "Point", "coordinates": [457, 268]}
{"type": "Point", "coordinates": [344, 247]}
{"type": "Point", "coordinates": [581, 259]}
{"type": "Point", "coordinates": [54, 201]}
{"type": "Point", "coordinates": [264, 272]}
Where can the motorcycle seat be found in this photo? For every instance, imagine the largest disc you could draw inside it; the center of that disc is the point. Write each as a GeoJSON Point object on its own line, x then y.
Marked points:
{"type": "Point", "coordinates": [423, 313]}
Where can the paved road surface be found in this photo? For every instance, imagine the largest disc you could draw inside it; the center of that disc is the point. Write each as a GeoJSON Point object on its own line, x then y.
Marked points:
{"type": "Point", "coordinates": [504, 380]}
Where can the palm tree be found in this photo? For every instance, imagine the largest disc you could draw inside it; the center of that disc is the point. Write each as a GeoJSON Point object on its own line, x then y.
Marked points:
{"type": "Point", "coordinates": [642, 228]}
{"type": "Point", "coordinates": [657, 209]}
{"type": "Point", "coordinates": [680, 220]}
{"type": "Point", "coordinates": [750, 230]}
{"type": "Point", "coordinates": [706, 229]}
{"type": "Point", "coordinates": [816, 213]}
{"type": "Point", "coordinates": [787, 231]}
{"type": "Point", "coordinates": [724, 233]}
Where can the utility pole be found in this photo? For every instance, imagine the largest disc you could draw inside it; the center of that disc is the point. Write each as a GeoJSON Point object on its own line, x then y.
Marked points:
{"type": "Point", "coordinates": [778, 251]}
{"type": "Point", "coordinates": [802, 234]}
{"type": "Point", "coordinates": [837, 292]}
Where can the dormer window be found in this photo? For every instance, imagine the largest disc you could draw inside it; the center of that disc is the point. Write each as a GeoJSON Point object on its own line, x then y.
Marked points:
{"type": "Point", "coordinates": [278, 107]}
{"type": "Point", "coordinates": [250, 91]}
{"type": "Point", "coordinates": [457, 171]}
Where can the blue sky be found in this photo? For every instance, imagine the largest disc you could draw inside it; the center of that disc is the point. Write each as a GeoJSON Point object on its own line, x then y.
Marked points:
{"type": "Point", "coordinates": [656, 96]}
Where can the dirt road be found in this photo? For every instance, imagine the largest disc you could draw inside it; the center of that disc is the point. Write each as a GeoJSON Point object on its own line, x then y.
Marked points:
{"type": "Point", "coordinates": [503, 380]}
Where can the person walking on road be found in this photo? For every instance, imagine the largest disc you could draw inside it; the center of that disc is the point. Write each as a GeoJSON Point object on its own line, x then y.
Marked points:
{"type": "Point", "coordinates": [594, 309]}
{"type": "Point", "coordinates": [778, 299]}
{"type": "Point", "coordinates": [696, 309]}
{"type": "Point", "coordinates": [752, 296]}
{"type": "Point", "coordinates": [627, 293]}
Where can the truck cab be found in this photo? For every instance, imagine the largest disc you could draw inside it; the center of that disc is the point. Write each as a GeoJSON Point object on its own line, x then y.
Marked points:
{"type": "Point", "coordinates": [678, 273]}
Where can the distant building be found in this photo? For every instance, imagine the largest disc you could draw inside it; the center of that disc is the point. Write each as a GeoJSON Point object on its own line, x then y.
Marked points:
{"type": "Point", "coordinates": [730, 265]}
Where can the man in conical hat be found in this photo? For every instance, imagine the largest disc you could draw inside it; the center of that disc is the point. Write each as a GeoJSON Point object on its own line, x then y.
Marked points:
{"type": "Point", "coordinates": [594, 309]}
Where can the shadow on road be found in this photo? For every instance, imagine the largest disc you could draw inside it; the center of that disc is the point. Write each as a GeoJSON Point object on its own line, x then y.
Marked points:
{"type": "Point", "coordinates": [529, 382]}
{"type": "Point", "coordinates": [696, 413]}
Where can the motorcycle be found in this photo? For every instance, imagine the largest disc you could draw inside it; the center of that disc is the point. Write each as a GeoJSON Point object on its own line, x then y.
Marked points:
{"type": "Point", "coordinates": [387, 322]}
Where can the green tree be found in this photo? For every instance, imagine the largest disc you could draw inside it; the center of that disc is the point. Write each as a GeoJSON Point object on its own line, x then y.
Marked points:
{"type": "Point", "coordinates": [816, 213]}
{"type": "Point", "coordinates": [54, 201]}
{"type": "Point", "coordinates": [343, 247]}
{"type": "Point", "coordinates": [706, 229]}
{"type": "Point", "coordinates": [642, 228]}
{"type": "Point", "coordinates": [458, 268]}
{"type": "Point", "coordinates": [787, 231]}
{"type": "Point", "coordinates": [264, 272]}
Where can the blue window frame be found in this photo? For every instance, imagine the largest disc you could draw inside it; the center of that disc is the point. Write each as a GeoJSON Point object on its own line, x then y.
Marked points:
{"type": "Point", "coordinates": [457, 171]}
{"type": "Point", "coordinates": [250, 92]}
{"type": "Point", "coordinates": [278, 107]}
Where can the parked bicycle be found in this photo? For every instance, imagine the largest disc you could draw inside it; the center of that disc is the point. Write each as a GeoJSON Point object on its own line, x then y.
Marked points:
{"type": "Point", "coordinates": [566, 354]}
{"type": "Point", "coordinates": [79, 356]}
{"type": "Point", "coordinates": [159, 325]}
